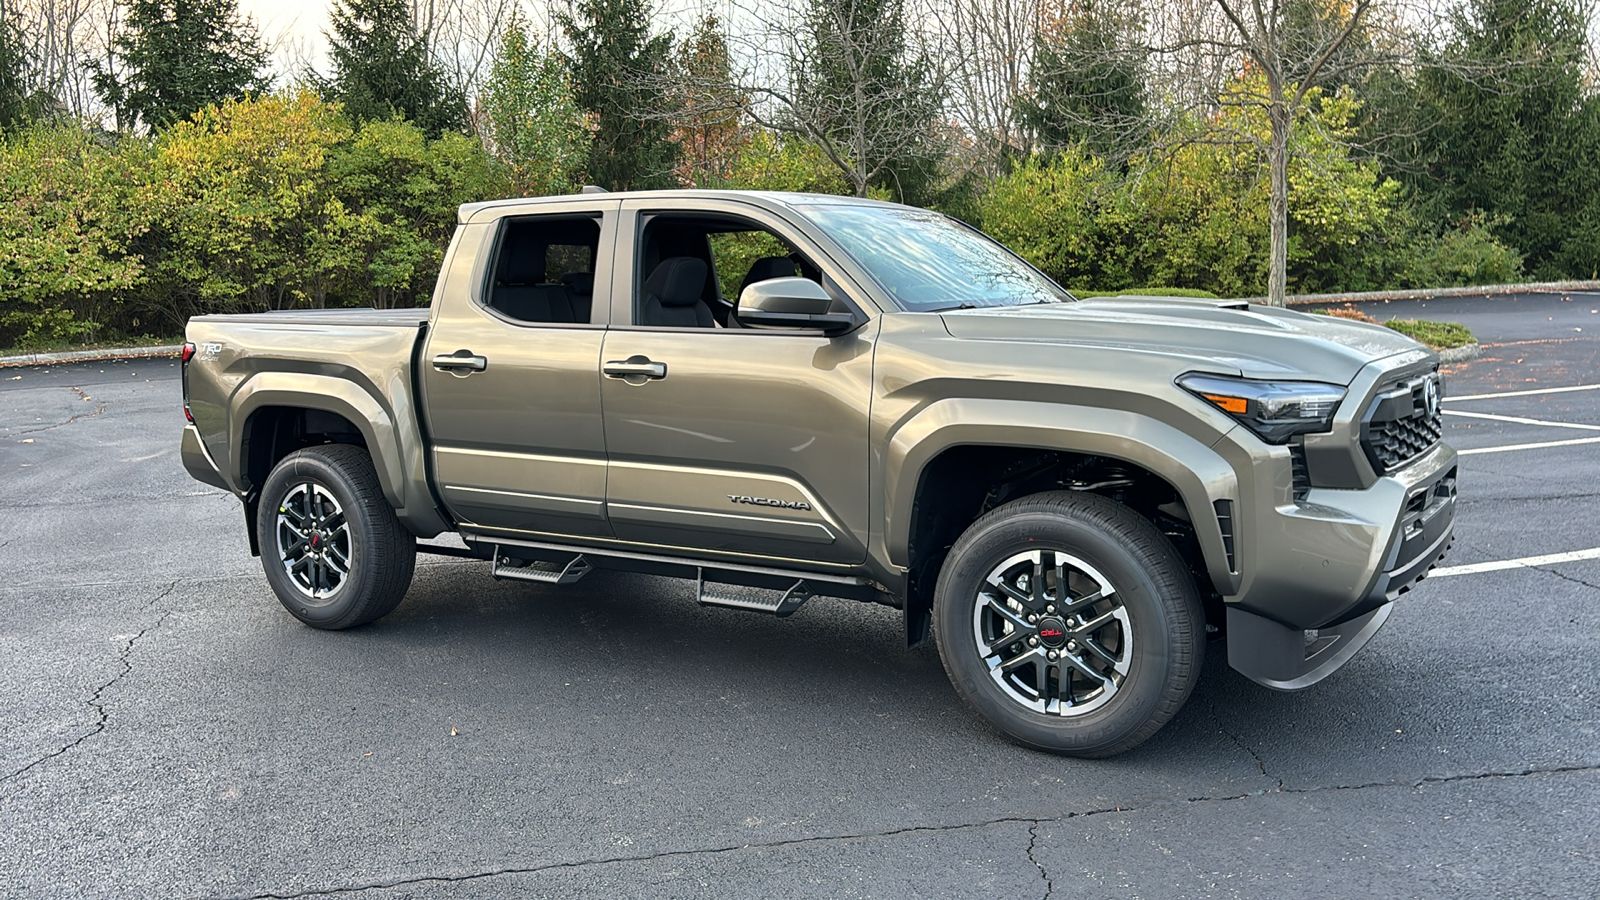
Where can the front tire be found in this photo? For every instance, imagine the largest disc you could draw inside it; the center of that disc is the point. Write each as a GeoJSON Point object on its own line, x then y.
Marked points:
{"type": "Point", "coordinates": [331, 546]}
{"type": "Point", "coordinates": [1070, 623]}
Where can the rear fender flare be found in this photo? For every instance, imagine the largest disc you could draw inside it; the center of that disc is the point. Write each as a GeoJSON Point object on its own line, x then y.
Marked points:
{"type": "Point", "coordinates": [301, 390]}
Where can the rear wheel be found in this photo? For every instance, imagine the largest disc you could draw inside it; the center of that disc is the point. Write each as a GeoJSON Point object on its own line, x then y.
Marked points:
{"type": "Point", "coordinates": [331, 546]}
{"type": "Point", "coordinates": [1069, 623]}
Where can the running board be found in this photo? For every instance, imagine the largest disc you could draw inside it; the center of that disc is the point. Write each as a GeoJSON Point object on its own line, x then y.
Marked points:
{"type": "Point", "coordinates": [539, 570]}
{"type": "Point", "coordinates": [772, 602]}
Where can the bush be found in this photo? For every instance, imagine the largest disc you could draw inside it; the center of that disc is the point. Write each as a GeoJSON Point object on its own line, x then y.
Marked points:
{"type": "Point", "coordinates": [1466, 255]}
{"type": "Point", "coordinates": [1438, 335]}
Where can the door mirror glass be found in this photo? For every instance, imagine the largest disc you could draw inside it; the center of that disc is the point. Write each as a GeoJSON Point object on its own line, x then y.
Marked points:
{"type": "Point", "coordinates": [791, 302]}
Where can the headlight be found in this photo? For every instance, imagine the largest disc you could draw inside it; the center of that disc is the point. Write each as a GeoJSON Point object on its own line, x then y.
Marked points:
{"type": "Point", "coordinates": [1275, 410]}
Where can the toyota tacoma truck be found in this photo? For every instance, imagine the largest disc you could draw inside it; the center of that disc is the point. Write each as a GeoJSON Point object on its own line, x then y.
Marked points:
{"type": "Point", "coordinates": [780, 396]}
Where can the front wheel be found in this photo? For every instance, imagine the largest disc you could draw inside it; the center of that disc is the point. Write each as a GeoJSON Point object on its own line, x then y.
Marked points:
{"type": "Point", "coordinates": [331, 546]}
{"type": "Point", "coordinates": [1070, 623]}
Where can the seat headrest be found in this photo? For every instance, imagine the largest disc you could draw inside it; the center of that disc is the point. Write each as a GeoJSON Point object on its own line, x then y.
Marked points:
{"type": "Point", "coordinates": [768, 267]}
{"type": "Point", "coordinates": [523, 268]}
{"type": "Point", "coordinates": [580, 282]}
{"type": "Point", "coordinates": [677, 281]}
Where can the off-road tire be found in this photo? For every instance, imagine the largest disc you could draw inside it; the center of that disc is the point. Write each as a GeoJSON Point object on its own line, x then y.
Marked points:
{"type": "Point", "coordinates": [382, 554]}
{"type": "Point", "coordinates": [1149, 580]}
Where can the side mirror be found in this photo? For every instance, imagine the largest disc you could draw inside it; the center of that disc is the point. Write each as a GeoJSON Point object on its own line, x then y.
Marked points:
{"type": "Point", "coordinates": [791, 302]}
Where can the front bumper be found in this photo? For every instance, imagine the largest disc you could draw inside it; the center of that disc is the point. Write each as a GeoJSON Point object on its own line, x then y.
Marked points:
{"type": "Point", "coordinates": [1330, 567]}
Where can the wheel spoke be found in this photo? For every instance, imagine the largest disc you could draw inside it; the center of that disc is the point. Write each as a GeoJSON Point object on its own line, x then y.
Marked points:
{"type": "Point", "coordinates": [1087, 670]}
{"type": "Point", "coordinates": [1097, 623]}
{"type": "Point", "coordinates": [1014, 662]}
{"type": "Point", "coordinates": [1094, 647]}
{"type": "Point", "coordinates": [1083, 602]}
{"type": "Point", "coordinates": [1016, 621]}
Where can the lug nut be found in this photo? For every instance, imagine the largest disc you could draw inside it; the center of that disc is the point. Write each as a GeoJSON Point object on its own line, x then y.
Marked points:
{"type": "Point", "coordinates": [1050, 608]}
{"type": "Point", "coordinates": [1032, 619]}
{"type": "Point", "coordinates": [1072, 645]}
{"type": "Point", "coordinates": [1033, 642]}
{"type": "Point", "coordinates": [1053, 654]}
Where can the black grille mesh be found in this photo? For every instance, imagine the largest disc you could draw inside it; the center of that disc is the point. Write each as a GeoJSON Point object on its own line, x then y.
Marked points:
{"type": "Point", "coordinates": [1392, 442]}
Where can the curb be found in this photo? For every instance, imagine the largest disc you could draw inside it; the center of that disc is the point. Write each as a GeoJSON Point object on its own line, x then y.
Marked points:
{"type": "Point", "coordinates": [1537, 287]}
{"type": "Point", "coordinates": [1460, 354]}
{"type": "Point", "coordinates": [42, 359]}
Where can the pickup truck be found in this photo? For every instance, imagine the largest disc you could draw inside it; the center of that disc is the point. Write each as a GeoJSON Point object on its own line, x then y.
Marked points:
{"type": "Point", "coordinates": [783, 395]}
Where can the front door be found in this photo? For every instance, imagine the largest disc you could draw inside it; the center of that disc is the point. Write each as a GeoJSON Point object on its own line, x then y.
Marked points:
{"type": "Point", "coordinates": [725, 439]}
{"type": "Point", "coordinates": [510, 379]}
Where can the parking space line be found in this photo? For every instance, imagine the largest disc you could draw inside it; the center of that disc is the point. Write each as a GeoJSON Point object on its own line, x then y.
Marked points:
{"type": "Point", "coordinates": [1538, 446]}
{"type": "Point", "coordinates": [1529, 393]}
{"type": "Point", "coordinates": [1526, 562]}
{"type": "Point", "coordinates": [1519, 420]}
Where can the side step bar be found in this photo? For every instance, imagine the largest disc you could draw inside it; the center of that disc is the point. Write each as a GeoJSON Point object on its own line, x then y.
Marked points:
{"type": "Point", "coordinates": [774, 602]}
{"type": "Point", "coordinates": [539, 570]}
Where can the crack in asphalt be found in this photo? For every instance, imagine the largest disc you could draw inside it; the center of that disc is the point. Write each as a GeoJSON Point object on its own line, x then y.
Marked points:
{"type": "Point", "coordinates": [1239, 742]}
{"type": "Point", "coordinates": [101, 408]}
{"type": "Point", "coordinates": [1033, 839]}
{"type": "Point", "coordinates": [1033, 824]}
{"type": "Point", "coordinates": [94, 702]}
{"type": "Point", "coordinates": [1565, 577]}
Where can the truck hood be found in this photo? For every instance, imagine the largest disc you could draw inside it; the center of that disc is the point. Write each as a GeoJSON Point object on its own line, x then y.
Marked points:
{"type": "Point", "coordinates": [1253, 341]}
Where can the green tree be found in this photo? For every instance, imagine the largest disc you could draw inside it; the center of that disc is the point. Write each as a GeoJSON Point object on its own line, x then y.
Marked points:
{"type": "Point", "coordinates": [381, 68]}
{"type": "Point", "coordinates": [620, 75]}
{"type": "Point", "coordinates": [871, 104]}
{"type": "Point", "coordinates": [17, 99]}
{"type": "Point", "coordinates": [393, 211]}
{"type": "Point", "coordinates": [178, 56]}
{"type": "Point", "coordinates": [532, 126]}
{"type": "Point", "coordinates": [1517, 143]}
{"type": "Point", "coordinates": [1087, 83]}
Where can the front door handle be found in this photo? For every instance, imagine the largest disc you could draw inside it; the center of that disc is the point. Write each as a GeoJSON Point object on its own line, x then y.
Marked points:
{"type": "Point", "coordinates": [636, 369]}
{"type": "Point", "coordinates": [460, 362]}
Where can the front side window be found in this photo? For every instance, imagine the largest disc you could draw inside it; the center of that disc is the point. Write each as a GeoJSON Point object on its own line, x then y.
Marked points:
{"type": "Point", "coordinates": [927, 261]}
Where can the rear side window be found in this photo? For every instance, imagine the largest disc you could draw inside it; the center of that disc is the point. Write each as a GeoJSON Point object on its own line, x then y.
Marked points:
{"type": "Point", "coordinates": [544, 269]}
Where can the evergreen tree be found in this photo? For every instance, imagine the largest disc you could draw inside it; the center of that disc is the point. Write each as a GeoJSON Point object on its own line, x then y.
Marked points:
{"type": "Point", "coordinates": [381, 68]}
{"type": "Point", "coordinates": [1517, 136]}
{"type": "Point", "coordinates": [620, 74]}
{"type": "Point", "coordinates": [1088, 87]}
{"type": "Point", "coordinates": [180, 56]}
{"type": "Point", "coordinates": [531, 125]}
{"type": "Point", "coordinates": [15, 91]}
{"type": "Point", "coordinates": [711, 126]}
{"type": "Point", "coordinates": [864, 94]}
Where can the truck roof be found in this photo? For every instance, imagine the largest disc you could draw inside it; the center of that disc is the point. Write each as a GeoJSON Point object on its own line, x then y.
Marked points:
{"type": "Point", "coordinates": [770, 198]}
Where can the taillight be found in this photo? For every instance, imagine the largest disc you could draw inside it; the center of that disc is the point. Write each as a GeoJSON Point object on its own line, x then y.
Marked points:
{"type": "Point", "coordinates": [188, 354]}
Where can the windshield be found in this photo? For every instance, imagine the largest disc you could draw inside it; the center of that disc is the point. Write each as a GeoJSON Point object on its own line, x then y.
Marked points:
{"type": "Point", "coordinates": [928, 261]}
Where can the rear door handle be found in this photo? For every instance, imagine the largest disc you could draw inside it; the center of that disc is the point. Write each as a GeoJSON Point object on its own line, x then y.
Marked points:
{"type": "Point", "coordinates": [459, 361]}
{"type": "Point", "coordinates": [635, 369]}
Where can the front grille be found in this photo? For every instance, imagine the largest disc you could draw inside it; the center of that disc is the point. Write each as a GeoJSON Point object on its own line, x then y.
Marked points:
{"type": "Point", "coordinates": [1402, 423]}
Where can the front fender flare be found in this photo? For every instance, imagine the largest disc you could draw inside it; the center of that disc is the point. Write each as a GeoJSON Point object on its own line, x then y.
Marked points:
{"type": "Point", "coordinates": [1200, 475]}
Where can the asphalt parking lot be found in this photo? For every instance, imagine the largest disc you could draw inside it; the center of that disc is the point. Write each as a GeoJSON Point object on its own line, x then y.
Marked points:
{"type": "Point", "coordinates": [167, 730]}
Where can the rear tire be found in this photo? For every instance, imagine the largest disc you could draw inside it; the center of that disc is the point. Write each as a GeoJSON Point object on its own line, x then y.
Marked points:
{"type": "Point", "coordinates": [1092, 670]}
{"type": "Point", "coordinates": [331, 546]}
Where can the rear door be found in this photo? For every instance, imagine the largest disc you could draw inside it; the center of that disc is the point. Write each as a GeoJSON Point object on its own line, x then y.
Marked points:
{"type": "Point", "coordinates": [510, 374]}
{"type": "Point", "coordinates": [748, 442]}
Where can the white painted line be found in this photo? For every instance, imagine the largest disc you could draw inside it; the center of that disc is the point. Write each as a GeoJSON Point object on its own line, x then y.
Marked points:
{"type": "Point", "coordinates": [1526, 562]}
{"type": "Point", "coordinates": [1539, 446]}
{"type": "Point", "coordinates": [1531, 393]}
{"type": "Point", "coordinates": [1519, 420]}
